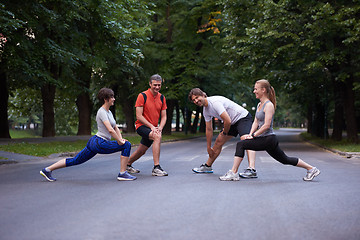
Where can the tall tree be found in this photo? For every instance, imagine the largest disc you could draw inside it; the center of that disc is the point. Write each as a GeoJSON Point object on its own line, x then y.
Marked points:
{"type": "Point", "coordinates": [296, 45]}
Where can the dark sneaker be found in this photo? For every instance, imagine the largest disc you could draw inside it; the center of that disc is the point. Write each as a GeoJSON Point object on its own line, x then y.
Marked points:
{"type": "Point", "coordinates": [131, 169]}
{"type": "Point", "coordinates": [249, 173]}
{"type": "Point", "coordinates": [158, 171]}
{"type": "Point", "coordinates": [314, 172]}
{"type": "Point", "coordinates": [47, 175]}
{"type": "Point", "coordinates": [203, 169]}
{"type": "Point", "coordinates": [125, 177]}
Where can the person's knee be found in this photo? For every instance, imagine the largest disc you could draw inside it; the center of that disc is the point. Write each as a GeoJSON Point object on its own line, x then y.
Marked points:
{"type": "Point", "coordinates": [127, 145]}
{"type": "Point", "coordinates": [240, 149]}
{"type": "Point", "coordinates": [156, 137]}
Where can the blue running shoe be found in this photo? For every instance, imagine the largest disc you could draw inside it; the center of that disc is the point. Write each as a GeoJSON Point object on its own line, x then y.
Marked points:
{"type": "Point", "coordinates": [125, 177]}
{"type": "Point", "coordinates": [47, 175]}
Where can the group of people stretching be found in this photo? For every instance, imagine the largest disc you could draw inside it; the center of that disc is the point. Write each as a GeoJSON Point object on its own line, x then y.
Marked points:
{"type": "Point", "coordinates": [257, 135]}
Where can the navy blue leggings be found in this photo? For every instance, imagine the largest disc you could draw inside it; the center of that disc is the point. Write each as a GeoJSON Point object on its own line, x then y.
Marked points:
{"type": "Point", "coordinates": [98, 145]}
{"type": "Point", "coordinates": [268, 143]}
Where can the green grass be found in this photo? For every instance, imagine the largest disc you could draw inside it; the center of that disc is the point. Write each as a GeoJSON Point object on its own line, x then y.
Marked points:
{"type": "Point", "coordinates": [48, 148]}
{"type": "Point", "coordinates": [343, 146]}
{"type": "Point", "coordinates": [23, 133]}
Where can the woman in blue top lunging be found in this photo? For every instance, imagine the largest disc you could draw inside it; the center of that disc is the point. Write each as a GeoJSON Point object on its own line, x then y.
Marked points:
{"type": "Point", "coordinates": [101, 142]}
{"type": "Point", "coordinates": [262, 136]}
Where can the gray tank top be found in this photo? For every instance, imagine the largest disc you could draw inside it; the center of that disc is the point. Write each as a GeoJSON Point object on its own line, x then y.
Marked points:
{"type": "Point", "coordinates": [260, 116]}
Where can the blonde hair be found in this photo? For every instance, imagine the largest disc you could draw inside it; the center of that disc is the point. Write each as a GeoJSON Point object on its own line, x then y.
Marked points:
{"type": "Point", "coordinates": [269, 90]}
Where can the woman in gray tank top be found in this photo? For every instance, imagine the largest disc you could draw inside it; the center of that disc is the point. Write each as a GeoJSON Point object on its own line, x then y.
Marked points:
{"type": "Point", "coordinates": [99, 143]}
{"type": "Point", "coordinates": [262, 136]}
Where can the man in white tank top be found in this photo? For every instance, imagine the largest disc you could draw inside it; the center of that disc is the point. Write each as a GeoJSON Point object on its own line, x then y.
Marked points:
{"type": "Point", "coordinates": [236, 121]}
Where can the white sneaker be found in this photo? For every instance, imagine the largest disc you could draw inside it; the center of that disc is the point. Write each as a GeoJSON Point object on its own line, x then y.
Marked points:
{"type": "Point", "coordinates": [131, 169]}
{"type": "Point", "coordinates": [314, 172]}
{"type": "Point", "coordinates": [158, 171]}
{"type": "Point", "coordinates": [203, 169]}
{"type": "Point", "coordinates": [230, 176]}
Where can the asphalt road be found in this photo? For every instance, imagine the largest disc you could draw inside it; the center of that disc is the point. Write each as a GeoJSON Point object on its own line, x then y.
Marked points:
{"type": "Point", "coordinates": [87, 202]}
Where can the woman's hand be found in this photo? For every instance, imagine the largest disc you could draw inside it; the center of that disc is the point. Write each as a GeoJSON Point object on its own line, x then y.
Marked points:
{"type": "Point", "coordinates": [121, 141]}
{"type": "Point", "coordinates": [248, 136]}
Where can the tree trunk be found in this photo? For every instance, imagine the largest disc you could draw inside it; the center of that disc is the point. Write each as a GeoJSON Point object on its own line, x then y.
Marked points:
{"type": "Point", "coordinates": [338, 119]}
{"type": "Point", "coordinates": [83, 102]}
{"type": "Point", "coordinates": [350, 115]}
{"type": "Point", "coordinates": [187, 120]}
{"type": "Point", "coordinates": [169, 115]}
{"type": "Point", "coordinates": [48, 96]}
{"type": "Point", "coordinates": [84, 106]}
{"type": "Point", "coordinates": [202, 124]}
{"type": "Point", "coordinates": [177, 129]}
{"type": "Point", "coordinates": [196, 121]}
{"type": "Point", "coordinates": [319, 121]}
{"type": "Point", "coordinates": [309, 118]}
{"type": "Point", "coordinates": [128, 107]}
{"type": "Point", "coordinates": [4, 98]}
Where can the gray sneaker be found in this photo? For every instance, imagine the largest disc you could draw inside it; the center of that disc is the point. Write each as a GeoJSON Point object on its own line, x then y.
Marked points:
{"type": "Point", "coordinates": [249, 173]}
{"type": "Point", "coordinates": [203, 169]}
{"type": "Point", "coordinates": [158, 171]}
{"type": "Point", "coordinates": [131, 169]}
{"type": "Point", "coordinates": [230, 176]}
{"type": "Point", "coordinates": [311, 174]}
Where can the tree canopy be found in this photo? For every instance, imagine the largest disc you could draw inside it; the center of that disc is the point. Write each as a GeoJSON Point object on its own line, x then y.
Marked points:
{"type": "Point", "coordinates": [56, 54]}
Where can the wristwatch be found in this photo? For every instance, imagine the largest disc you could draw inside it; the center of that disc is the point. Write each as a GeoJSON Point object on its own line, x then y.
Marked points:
{"type": "Point", "coordinates": [225, 133]}
{"type": "Point", "coordinates": [253, 134]}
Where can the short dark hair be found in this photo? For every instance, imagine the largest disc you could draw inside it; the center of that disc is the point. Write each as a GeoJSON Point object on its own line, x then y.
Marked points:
{"type": "Point", "coordinates": [196, 92]}
{"type": "Point", "coordinates": [156, 77]}
{"type": "Point", "coordinates": [105, 93]}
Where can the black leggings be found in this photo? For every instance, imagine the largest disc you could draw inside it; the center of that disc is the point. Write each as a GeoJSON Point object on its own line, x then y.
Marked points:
{"type": "Point", "coordinates": [268, 143]}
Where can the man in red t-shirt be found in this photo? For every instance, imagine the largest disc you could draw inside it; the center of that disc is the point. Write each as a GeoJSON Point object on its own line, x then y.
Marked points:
{"type": "Point", "coordinates": [150, 107]}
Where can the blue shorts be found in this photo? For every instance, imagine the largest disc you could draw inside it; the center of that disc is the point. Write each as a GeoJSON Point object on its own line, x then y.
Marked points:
{"type": "Point", "coordinates": [144, 132]}
{"type": "Point", "coordinates": [98, 145]}
{"type": "Point", "coordinates": [241, 127]}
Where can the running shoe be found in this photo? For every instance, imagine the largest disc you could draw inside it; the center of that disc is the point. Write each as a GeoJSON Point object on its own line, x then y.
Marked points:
{"type": "Point", "coordinates": [203, 169]}
{"type": "Point", "coordinates": [314, 172]}
{"type": "Point", "coordinates": [125, 177]}
{"type": "Point", "coordinates": [47, 175]}
{"type": "Point", "coordinates": [158, 171]}
{"type": "Point", "coordinates": [230, 176]}
{"type": "Point", "coordinates": [249, 173]}
{"type": "Point", "coordinates": [131, 169]}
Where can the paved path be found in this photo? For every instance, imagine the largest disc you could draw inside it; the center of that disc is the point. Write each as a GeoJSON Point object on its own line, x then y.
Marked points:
{"type": "Point", "coordinates": [88, 203]}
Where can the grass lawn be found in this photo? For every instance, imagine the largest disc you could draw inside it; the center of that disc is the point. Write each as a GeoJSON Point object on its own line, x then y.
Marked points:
{"type": "Point", "coordinates": [343, 146]}
{"type": "Point", "coordinates": [23, 133]}
{"type": "Point", "coordinates": [48, 148]}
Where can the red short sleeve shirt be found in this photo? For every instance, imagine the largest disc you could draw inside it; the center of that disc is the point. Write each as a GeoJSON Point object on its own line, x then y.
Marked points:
{"type": "Point", "coordinates": [152, 107]}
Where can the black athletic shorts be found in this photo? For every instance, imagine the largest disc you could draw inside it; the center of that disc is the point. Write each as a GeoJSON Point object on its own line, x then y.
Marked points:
{"type": "Point", "coordinates": [144, 132]}
{"type": "Point", "coordinates": [241, 127]}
